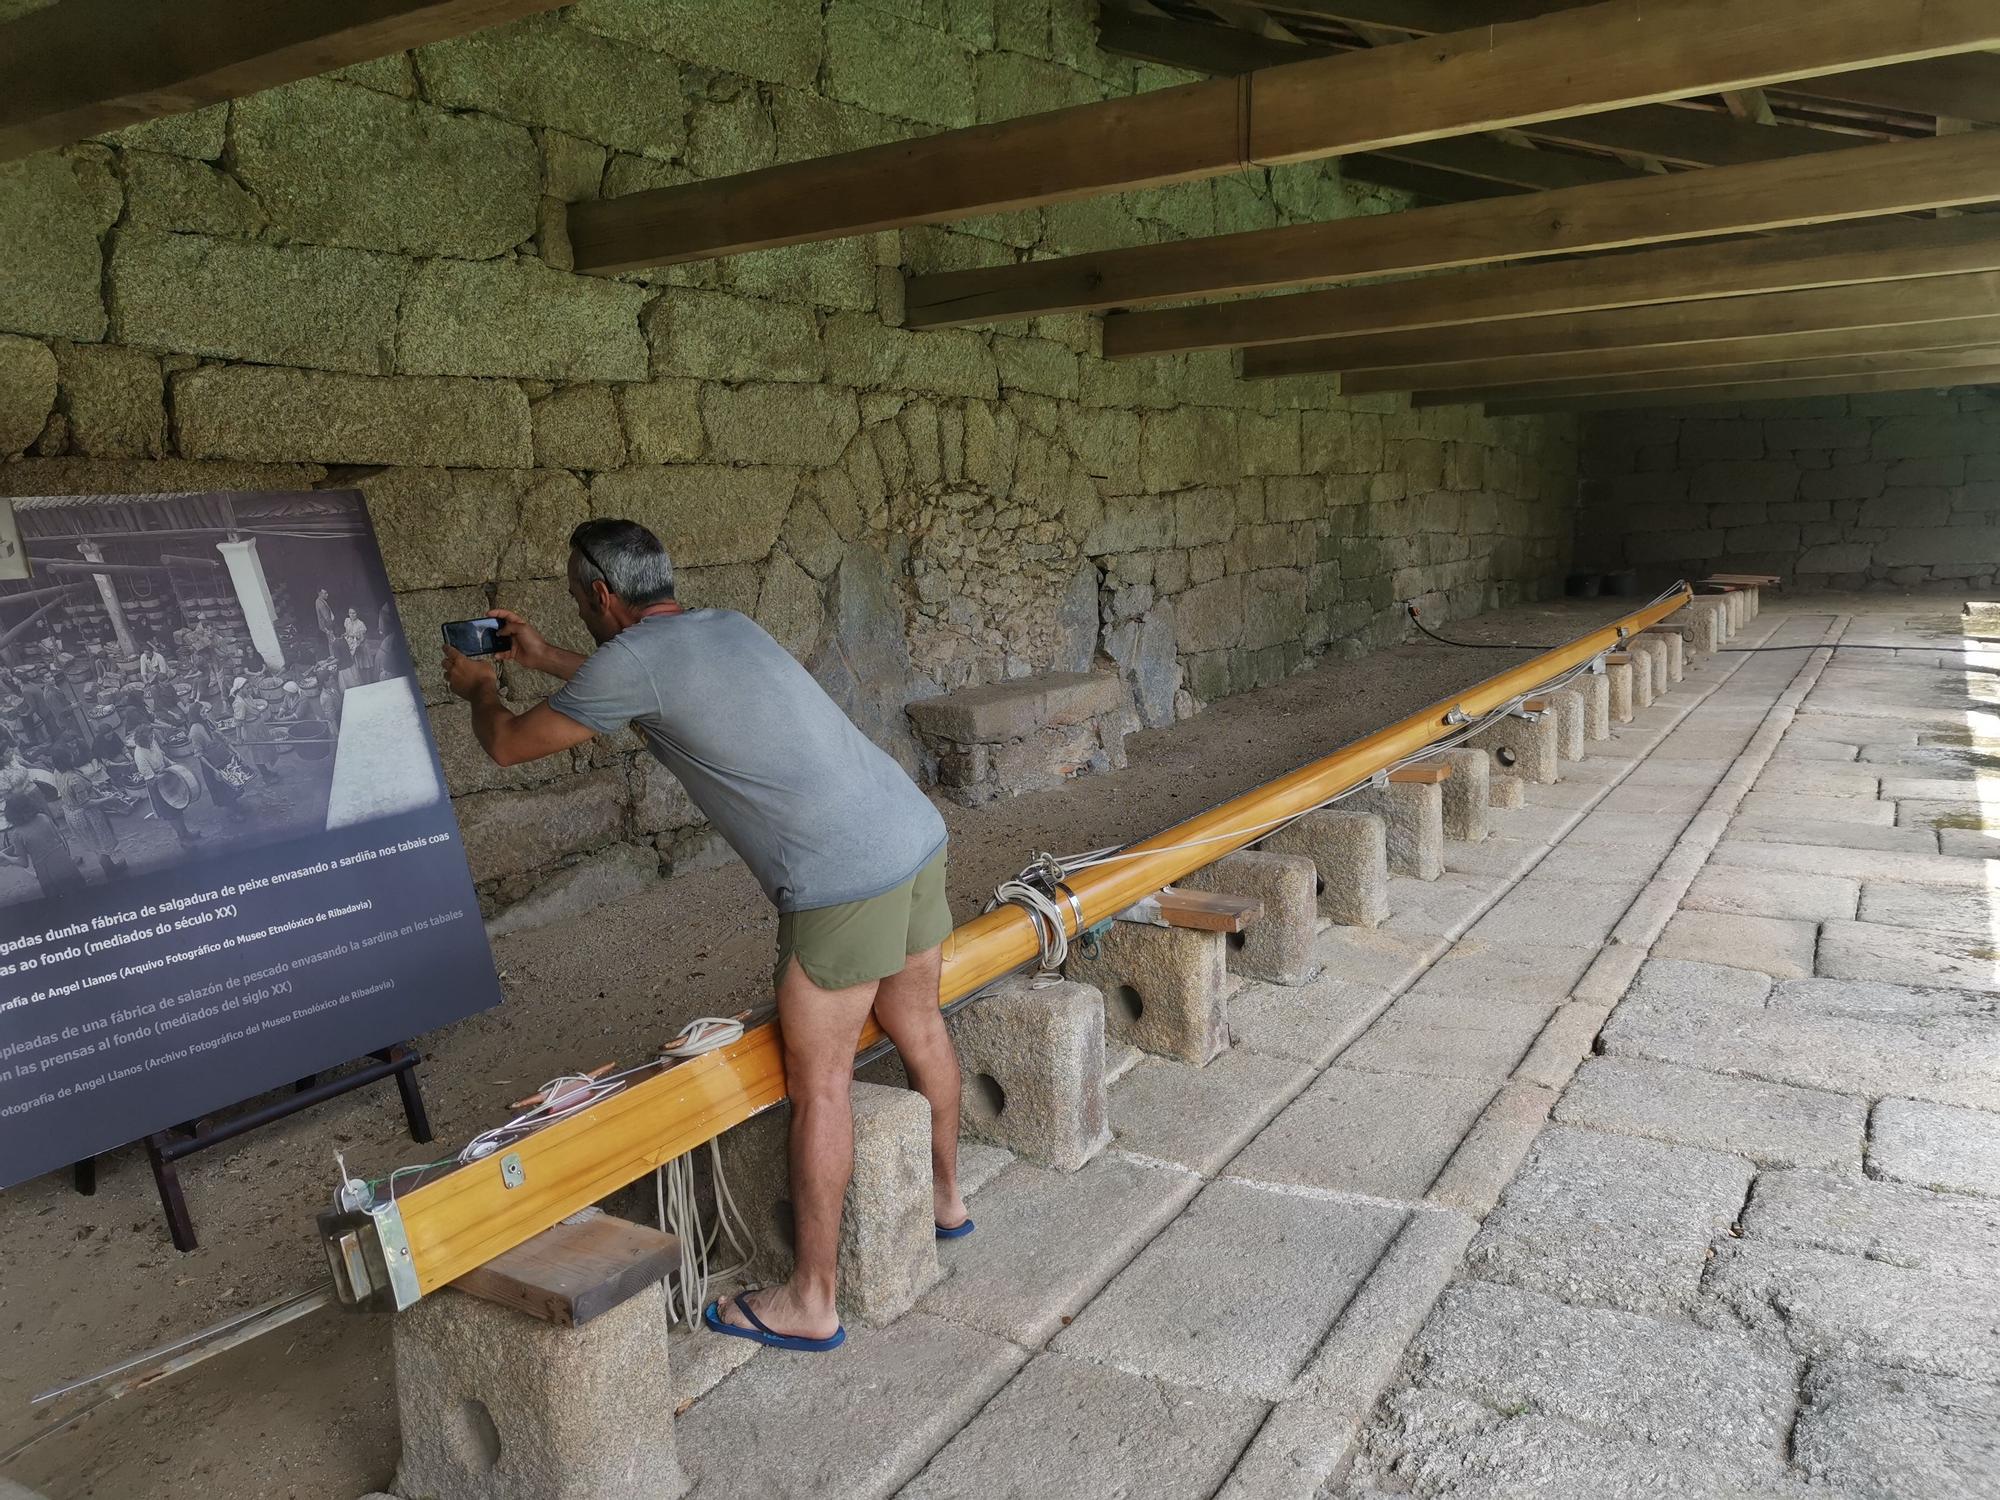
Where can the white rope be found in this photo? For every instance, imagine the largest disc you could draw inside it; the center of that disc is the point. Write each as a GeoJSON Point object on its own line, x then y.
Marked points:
{"type": "Point", "coordinates": [677, 1202]}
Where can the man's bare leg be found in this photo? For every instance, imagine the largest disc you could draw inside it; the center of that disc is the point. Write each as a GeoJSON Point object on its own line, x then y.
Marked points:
{"type": "Point", "coordinates": [818, 1031]}
{"type": "Point", "coordinates": [906, 1006]}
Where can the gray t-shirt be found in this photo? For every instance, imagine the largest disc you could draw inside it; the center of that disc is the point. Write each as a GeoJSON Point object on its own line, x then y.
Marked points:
{"type": "Point", "coordinates": [819, 813]}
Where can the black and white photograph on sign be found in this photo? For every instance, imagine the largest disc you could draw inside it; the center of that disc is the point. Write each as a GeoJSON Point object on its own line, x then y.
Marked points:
{"type": "Point", "coordinates": [227, 860]}
{"type": "Point", "coordinates": [196, 674]}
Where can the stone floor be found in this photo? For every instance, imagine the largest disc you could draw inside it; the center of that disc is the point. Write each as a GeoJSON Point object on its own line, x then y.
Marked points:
{"type": "Point", "coordinates": [1652, 1151]}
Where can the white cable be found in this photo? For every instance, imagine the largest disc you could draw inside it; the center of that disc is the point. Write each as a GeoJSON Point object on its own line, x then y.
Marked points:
{"type": "Point", "coordinates": [675, 1199]}
{"type": "Point", "coordinates": [1047, 918]}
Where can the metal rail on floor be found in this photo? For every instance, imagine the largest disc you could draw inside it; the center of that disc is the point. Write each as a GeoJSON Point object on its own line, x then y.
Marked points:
{"type": "Point", "coordinates": [409, 1246]}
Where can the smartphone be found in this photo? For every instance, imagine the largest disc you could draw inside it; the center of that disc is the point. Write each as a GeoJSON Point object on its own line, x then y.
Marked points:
{"type": "Point", "coordinates": [475, 637]}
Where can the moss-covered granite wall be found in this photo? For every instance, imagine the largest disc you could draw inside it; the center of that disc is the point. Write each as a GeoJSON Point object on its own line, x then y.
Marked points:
{"type": "Point", "coordinates": [361, 280]}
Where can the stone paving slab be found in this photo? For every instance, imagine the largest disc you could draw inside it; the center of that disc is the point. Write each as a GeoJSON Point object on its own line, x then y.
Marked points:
{"type": "Point", "coordinates": [1945, 1061]}
{"type": "Point", "coordinates": [1585, 863]}
{"type": "Point", "coordinates": [1386, 960]}
{"type": "Point", "coordinates": [1792, 750]}
{"type": "Point", "coordinates": [1627, 830]}
{"type": "Point", "coordinates": [1444, 907]}
{"type": "Point", "coordinates": [1499, 854]}
{"type": "Point", "coordinates": [1872, 1000]}
{"type": "Point", "coordinates": [1939, 818]}
{"type": "Point", "coordinates": [1436, 1444]}
{"type": "Point", "coordinates": [1869, 950]}
{"type": "Point", "coordinates": [1382, 1135]}
{"type": "Point", "coordinates": [1675, 980]}
{"type": "Point", "coordinates": [1787, 808]}
{"type": "Point", "coordinates": [1047, 1241]}
{"type": "Point", "coordinates": [1200, 1117]}
{"type": "Point", "coordinates": [1311, 1021]}
{"type": "Point", "coordinates": [1610, 1220]}
{"type": "Point", "coordinates": [1945, 1149]}
{"type": "Point", "coordinates": [1660, 1380]}
{"type": "Point", "coordinates": [1969, 912]}
{"type": "Point", "coordinates": [1831, 1306]}
{"type": "Point", "coordinates": [1748, 893]}
{"type": "Point", "coordinates": [1557, 913]}
{"type": "Point", "coordinates": [1837, 835]}
{"type": "Point", "coordinates": [1968, 843]}
{"type": "Point", "coordinates": [1445, 1036]}
{"type": "Point", "coordinates": [1497, 969]}
{"type": "Point", "coordinates": [1813, 723]}
{"type": "Point", "coordinates": [1882, 1433]}
{"type": "Point", "coordinates": [1237, 1293]}
{"type": "Point", "coordinates": [1973, 789]}
{"type": "Point", "coordinates": [1772, 945]}
{"type": "Point", "coordinates": [1820, 781]}
{"type": "Point", "coordinates": [1886, 1221]}
{"type": "Point", "coordinates": [796, 1425]}
{"type": "Point", "coordinates": [1656, 801]}
{"type": "Point", "coordinates": [1681, 773]}
{"type": "Point", "coordinates": [1856, 864]}
{"type": "Point", "coordinates": [1772, 1124]}
{"type": "Point", "coordinates": [1071, 1428]}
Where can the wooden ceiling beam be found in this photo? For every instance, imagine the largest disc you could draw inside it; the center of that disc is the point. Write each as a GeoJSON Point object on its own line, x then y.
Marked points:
{"type": "Point", "coordinates": [82, 67]}
{"type": "Point", "coordinates": [1494, 77]}
{"type": "Point", "coordinates": [1846, 255]}
{"type": "Point", "coordinates": [1644, 359]}
{"type": "Point", "coordinates": [1862, 182]}
{"type": "Point", "coordinates": [1762, 372]}
{"type": "Point", "coordinates": [1668, 132]}
{"type": "Point", "coordinates": [1931, 300]}
{"type": "Point", "coordinates": [1966, 87]}
{"type": "Point", "coordinates": [1771, 390]}
{"type": "Point", "coordinates": [1427, 183]}
{"type": "Point", "coordinates": [1482, 157]}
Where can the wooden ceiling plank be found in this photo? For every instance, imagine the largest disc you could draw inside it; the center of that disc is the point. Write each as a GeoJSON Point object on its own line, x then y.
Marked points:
{"type": "Point", "coordinates": [1862, 182]}
{"type": "Point", "coordinates": [1358, 101]}
{"type": "Point", "coordinates": [1846, 255]}
{"type": "Point", "coordinates": [1957, 333]}
{"type": "Point", "coordinates": [1760, 373]}
{"type": "Point", "coordinates": [1775, 390]}
{"type": "Point", "coordinates": [83, 67]}
{"type": "Point", "coordinates": [1429, 183]}
{"type": "Point", "coordinates": [1512, 166]}
{"type": "Point", "coordinates": [1931, 300]}
{"type": "Point", "coordinates": [1967, 86]}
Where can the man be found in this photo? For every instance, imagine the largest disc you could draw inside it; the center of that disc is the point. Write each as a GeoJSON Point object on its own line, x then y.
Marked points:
{"type": "Point", "coordinates": [843, 843]}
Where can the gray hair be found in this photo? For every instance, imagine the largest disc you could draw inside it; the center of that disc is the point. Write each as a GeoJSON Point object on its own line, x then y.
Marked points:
{"type": "Point", "coordinates": [626, 557]}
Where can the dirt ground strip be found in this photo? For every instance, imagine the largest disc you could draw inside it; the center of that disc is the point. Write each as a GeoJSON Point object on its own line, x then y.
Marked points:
{"type": "Point", "coordinates": [86, 1281]}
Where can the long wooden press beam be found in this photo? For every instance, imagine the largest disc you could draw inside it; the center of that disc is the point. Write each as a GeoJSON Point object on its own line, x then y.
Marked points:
{"type": "Point", "coordinates": [1931, 300]}
{"type": "Point", "coordinates": [1642, 359]}
{"type": "Point", "coordinates": [1844, 256]}
{"type": "Point", "coordinates": [1860, 183]}
{"type": "Point", "coordinates": [469, 1216]}
{"type": "Point", "coordinates": [1775, 390]}
{"type": "Point", "coordinates": [1485, 79]}
{"type": "Point", "coordinates": [1669, 383]}
{"type": "Point", "coordinates": [82, 67]}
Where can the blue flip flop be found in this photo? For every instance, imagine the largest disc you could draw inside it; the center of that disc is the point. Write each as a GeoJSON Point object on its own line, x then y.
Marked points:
{"type": "Point", "coordinates": [758, 1333]}
{"type": "Point", "coordinates": [956, 1232]}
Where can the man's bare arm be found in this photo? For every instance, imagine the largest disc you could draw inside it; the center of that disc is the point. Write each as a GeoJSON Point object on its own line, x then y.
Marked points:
{"type": "Point", "coordinates": [511, 738]}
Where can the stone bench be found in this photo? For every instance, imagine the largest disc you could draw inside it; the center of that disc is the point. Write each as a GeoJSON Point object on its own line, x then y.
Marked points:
{"type": "Point", "coordinates": [1006, 738]}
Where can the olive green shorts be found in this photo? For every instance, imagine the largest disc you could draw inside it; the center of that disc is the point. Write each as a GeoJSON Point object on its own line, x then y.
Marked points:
{"type": "Point", "coordinates": [859, 941]}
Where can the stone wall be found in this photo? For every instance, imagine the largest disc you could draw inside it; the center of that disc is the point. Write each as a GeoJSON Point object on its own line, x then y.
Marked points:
{"type": "Point", "coordinates": [1847, 492]}
{"type": "Point", "coordinates": [362, 280]}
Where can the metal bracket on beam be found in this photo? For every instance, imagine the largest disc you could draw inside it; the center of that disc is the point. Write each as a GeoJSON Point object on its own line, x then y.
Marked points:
{"type": "Point", "coordinates": [369, 1255]}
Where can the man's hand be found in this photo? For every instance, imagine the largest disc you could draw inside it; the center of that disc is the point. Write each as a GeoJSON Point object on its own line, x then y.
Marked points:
{"type": "Point", "coordinates": [528, 647]}
{"type": "Point", "coordinates": [525, 644]}
{"type": "Point", "coordinates": [469, 677]}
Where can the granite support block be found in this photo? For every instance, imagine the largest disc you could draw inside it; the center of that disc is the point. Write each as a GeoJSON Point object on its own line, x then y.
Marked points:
{"type": "Point", "coordinates": [1619, 675]}
{"type": "Point", "coordinates": [1596, 690]}
{"type": "Point", "coordinates": [1524, 748]}
{"type": "Point", "coordinates": [1165, 988]}
{"type": "Point", "coordinates": [498, 1405]}
{"type": "Point", "coordinates": [1033, 1066]}
{"type": "Point", "coordinates": [888, 1235]}
{"type": "Point", "coordinates": [1350, 852]}
{"type": "Point", "coordinates": [1413, 813]}
{"type": "Point", "coordinates": [1467, 795]}
{"type": "Point", "coordinates": [1278, 946]}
